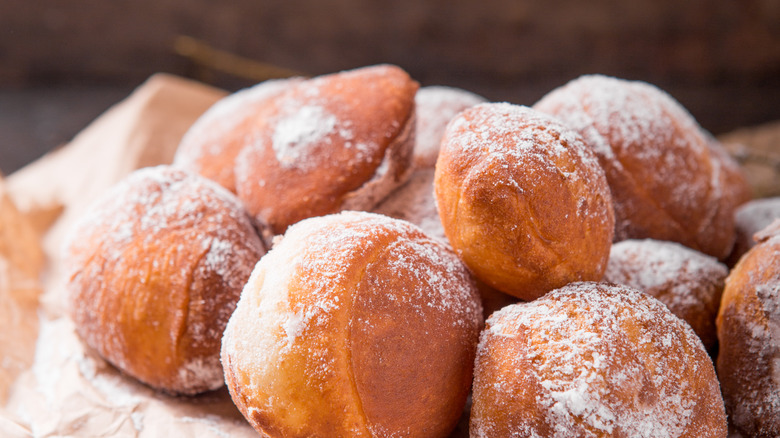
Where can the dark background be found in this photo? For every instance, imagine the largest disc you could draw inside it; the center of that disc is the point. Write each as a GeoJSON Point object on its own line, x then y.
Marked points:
{"type": "Point", "coordinates": [64, 62]}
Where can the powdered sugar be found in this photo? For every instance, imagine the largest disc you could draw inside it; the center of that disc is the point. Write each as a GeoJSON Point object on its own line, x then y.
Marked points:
{"type": "Point", "coordinates": [290, 332]}
{"type": "Point", "coordinates": [333, 142]}
{"type": "Point", "coordinates": [206, 136]}
{"type": "Point", "coordinates": [441, 282]}
{"type": "Point", "coordinates": [525, 142]}
{"type": "Point", "coordinates": [749, 329]}
{"type": "Point", "coordinates": [161, 229]}
{"type": "Point", "coordinates": [586, 365]}
{"type": "Point", "coordinates": [752, 217]}
{"type": "Point", "coordinates": [688, 282]}
{"type": "Point", "coordinates": [212, 143]}
{"type": "Point", "coordinates": [500, 130]}
{"type": "Point", "coordinates": [206, 371]}
{"type": "Point", "coordinates": [650, 265]}
{"type": "Point", "coordinates": [656, 158]}
{"type": "Point", "coordinates": [436, 106]}
{"type": "Point", "coordinates": [296, 134]}
{"type": "Point", "coordinates": [311, 118]}
{"type": "Point", "coordinates": [438, 271]}
{"type": "Point", "coordinates": [622, 118]}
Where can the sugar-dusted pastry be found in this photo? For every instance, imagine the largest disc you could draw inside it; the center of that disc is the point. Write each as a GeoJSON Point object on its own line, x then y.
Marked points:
{"type": "Point", "coordinates": [666, 182]}
{"type": "Point", "coordinates": [155, 269]}
{"type": "Point", "coordinates": [750, 218]}
{"type": "Point", "coordinates": [414, 202]}
{"type": "Point", "coordinates": [523, 200]}
{"type": "Point", "coordinates": [436, 105]}
{"type": "Point", "coordinates": [342, 141]}
{"type": "Point", "coordinates": [355, 324]}
{"type": "Point", "coordinates": [593, 360]}
{"type": "Point", "coordinates": [210, 146]}
{"type": "Point", "coordinates": [688, 282]}
{"type": "Point", "coordinates": [749, 335]}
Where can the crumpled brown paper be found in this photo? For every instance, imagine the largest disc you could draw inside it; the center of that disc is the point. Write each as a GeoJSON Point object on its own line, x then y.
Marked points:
{"type": "Point", "coordinates": [21, 260]}
{"type": "Point", "coordinates": [50, 383]}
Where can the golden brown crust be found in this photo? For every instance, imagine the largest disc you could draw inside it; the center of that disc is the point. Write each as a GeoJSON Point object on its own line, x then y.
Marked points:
{"type": "Point", "coordinates": [593, 360]}
{"type": "Point", "coordinates": [315, 146]}
{"type": "Point", "coordinates": [748, 324]}
{"type": "Point", "coordinates": [522, 200]}
{"type": "Point", "coordinates": [155, 270]}
{"type": "Point", "coordinates": [213, 142]}
{"type": "Point", "coordinates": [353, 325]}
{"type": "Point", "coordinates": [665, 182]}
{"type": "Point", "coordinates": [688, 282]}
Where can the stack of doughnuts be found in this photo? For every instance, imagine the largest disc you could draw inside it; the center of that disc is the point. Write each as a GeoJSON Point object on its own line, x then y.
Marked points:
{"type": "Point", "coordinates": [331, 247]}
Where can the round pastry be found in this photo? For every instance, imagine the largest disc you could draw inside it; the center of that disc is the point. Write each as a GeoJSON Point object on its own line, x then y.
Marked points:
{"type": "Point", "coordinates": [337, 142]}
{"type": "Point", "coordinates": [212, 143]}
{"type": "Point", "coordinates": [414, 202]}
{"type": "Point", "coordinates": [155, 269]}
{"type": "Point", "coordinates": [354, 324]}
{"type": "Point", "coordinates": [436, 105]}
{"type": "Point", "coordinates": [749, 338]}
{"type": "Point", "coordinates": [593, 360]}
{"type": "Point", "coordinates": [664, 180]}
{"type": "Point", "coordinates": [688, 282]}
{"type": "Point", "coordinates": [522, 200]}
{"type": "Point", "coordinates": [750, 218]}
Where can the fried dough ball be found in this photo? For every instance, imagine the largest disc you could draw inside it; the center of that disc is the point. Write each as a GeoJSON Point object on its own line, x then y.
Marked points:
{"type": "Point", "coordinates": [688, 282]}
{"type": "Point", "coordinates": [522, 200]}
{"type": "Point", "coordinates": [354, 324]}
{"type": "Point", "coordinates": [436, 105]}
{"type": "Point", "coordinates": [213, 142]}
{"type": "Point", "coordinates": [749, 335]}
{"type": "Point", "coordinates": [155, 270]}
{"type": "Point", "coordinates": [337, 142]}
{"type": "Point", "coordinates": [665, 180]}
{"type": "Point", "coordinates": [750, 218]}
{"type": "Point", "coordinates": [593, 360]}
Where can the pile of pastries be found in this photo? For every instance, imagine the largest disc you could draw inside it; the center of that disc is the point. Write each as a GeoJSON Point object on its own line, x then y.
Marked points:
{"type": "Point", "coordinates": [354, 255]}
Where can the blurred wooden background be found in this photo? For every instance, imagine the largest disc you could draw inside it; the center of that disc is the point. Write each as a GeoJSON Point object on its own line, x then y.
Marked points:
{"type": "Point", "coordinates": [64, 62]}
